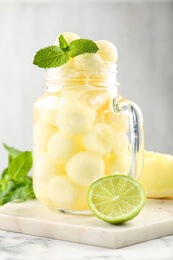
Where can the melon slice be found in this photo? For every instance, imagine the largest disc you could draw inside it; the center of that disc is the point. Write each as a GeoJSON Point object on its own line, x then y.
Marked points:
{"type": "Point", "coordinates": [157, 175]}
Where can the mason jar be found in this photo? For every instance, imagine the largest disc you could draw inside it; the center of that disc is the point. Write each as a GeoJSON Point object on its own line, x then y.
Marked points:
{"type": "Point", "coordinates": [83, 130]}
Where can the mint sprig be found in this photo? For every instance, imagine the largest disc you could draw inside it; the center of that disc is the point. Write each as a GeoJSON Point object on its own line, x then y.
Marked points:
{"type": "Point", "coordinates": [56, 56]}
{"type": "Point", "coordinates": [14, 182]}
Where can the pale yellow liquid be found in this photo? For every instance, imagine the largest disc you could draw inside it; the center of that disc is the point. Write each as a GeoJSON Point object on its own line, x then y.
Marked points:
{"type": "Point", "coordinates": [77, 140]}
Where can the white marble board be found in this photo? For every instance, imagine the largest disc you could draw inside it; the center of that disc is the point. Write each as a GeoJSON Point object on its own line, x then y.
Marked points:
{"type": "Point", "coordinates": [31, 217]}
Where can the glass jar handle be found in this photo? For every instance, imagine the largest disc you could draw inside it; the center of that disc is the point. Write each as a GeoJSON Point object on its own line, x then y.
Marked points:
{"type": "Point", "coordinates": [120, 104]}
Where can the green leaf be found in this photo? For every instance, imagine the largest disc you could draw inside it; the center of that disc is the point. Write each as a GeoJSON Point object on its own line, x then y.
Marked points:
{"type": "Point", "coordinates": [10, 187]}
{"type": "Point", "coordinates": [55, 56]}
{"type": "Point", "coordinates": [22, 193]}
{"type": "Point", "coordinates": [11, 151]}
{"type": "Point", "coordinates": [5, 174]}
{"type": "Point", "coordinates": [3, 184]}
{"type": "Point", "coordinates": [62, 43]}
{"type": "Point", "coordinates": [15, 185]}
{"type": "Point", "coordinates": [23, 190]}
{"type": "Point", "coordinates": [19, 194]}
{"type": "Point", "coordinates": [5, 199]}
{"type": "Point", "coordinates": [81, 46]}
{"type": "Point", "coordinates": [20, 166]}
{"type": "Point", "coordinates": [5, 178]}
{"type": "Point", "coordinates": [50, 57]}
{"type": "Point", "coordinates": [17, 191]}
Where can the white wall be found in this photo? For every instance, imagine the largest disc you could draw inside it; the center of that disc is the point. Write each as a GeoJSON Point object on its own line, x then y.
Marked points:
{"type": "Point", "coordinates": [142, 32]}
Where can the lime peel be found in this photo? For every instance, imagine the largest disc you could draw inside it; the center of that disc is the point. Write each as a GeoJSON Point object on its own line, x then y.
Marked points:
{"type": "Point", "coordinates": [116, 199]}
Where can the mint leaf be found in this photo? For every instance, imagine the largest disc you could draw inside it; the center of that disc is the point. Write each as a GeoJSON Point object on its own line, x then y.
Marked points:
{"type": "Point", "coordinates": [50, 57]}
{"type": "Point", "coordinates": [20, 166]}
{"type": "Point", "coordinates": [55, 56]}
{"type": "Point", "coordinates": [81, 46]}
{"type": "Point", "coordinates": [3, 184]}
{"type": "Point", "coordinates": [12, 152]}
{"type": "Point", "coordinates": [5, 195]}
{"type": "Point", "coordinates": [62, 43]}
{"type": "Point", "coordinates": [17, 191]}
{"type": "Point", "coordinates": [5, 174]}
{"type": "Point", "coordinates": [15, 185]}
{"type": "Point", "coordinates": [24, 191]}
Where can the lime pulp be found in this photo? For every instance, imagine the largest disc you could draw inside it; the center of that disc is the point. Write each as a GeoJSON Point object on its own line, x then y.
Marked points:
{"type": "Point", "coordinates": [116, 198]}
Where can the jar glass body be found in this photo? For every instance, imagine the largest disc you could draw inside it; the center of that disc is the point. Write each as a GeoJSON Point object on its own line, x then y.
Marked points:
{"type": "Point", "coordinates": [79, 136]}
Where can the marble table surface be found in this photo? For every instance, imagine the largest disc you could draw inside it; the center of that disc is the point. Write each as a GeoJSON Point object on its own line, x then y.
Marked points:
{"type": "Point", "coordinates": [16, 246]}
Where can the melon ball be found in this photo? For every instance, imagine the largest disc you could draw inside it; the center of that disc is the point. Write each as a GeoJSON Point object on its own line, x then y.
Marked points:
{"type": "Point", "coordinates": [62, 192]}
{"type": "Point", "coordinates": [75, 119]}
{"type": "Point", "coordinates": [121, 143]}
{"type": "Point", "coordinates": [73, 93]}
{"type": "Point", "coordinates": [84, 168]}
{"type": "Point", "coordinates": [107, 51]}
{"type": "Point", "coordinates": [117, 164]}
{"type": "Point", "coordinates": [119, 121]}
{"type": "Point", "coordinates": [100, 139]}
{"type": "Point", "coordinates": [89, 63]}
{"type": "Point", "coordinates": [42, 133]}
{"type": "Point", "coordinates": [48, 109]}
{"type": "Point", "coordinates": [61, 147]}
{"type": "Point", "coordinates": [48, 116]}
{"type": "Point", "coordinates": [97, 98]}
{"type": "Point", "coordinates": [44, 168]}
{"type": "Point", "coordinates": [51, 102]}
{"type": "Point", "coordinates": [69, 37]}
{"type": "Point", "coordinates": [40, 191]}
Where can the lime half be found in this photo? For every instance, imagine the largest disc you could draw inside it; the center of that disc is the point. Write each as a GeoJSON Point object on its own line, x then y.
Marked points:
{"type": "Point", "coordinates": [116, 198]}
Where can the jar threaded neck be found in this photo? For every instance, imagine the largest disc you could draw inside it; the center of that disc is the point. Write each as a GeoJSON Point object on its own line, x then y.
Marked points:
{"type": "Point", "coordinates": [87, 74]}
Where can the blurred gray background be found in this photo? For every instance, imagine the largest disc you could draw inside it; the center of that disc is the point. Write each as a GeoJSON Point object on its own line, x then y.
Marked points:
{"type": "Point", "coordinates": [141, 30]}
